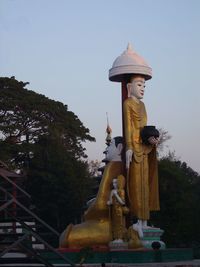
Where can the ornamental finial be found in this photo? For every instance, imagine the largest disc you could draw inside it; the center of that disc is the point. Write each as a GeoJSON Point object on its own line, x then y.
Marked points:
{"type": "Point", "coordinates": [129, 47]}
{"type": "Point", "coordinates": [108, 131]}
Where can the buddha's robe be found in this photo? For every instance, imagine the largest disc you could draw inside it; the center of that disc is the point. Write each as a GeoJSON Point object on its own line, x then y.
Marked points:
{"type": "Point", "coordinates": [99, 208]}
{"type": "Point", "coordinates": [142, 176]}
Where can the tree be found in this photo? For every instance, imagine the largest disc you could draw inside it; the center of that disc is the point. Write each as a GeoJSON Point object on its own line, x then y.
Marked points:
{"type": "Point", "coordinates": [94, 166]}
{"type": "Point", "coordinates": [43, 138]}
{"type": "Point", "coordinates": [59, 183]}
{"type": "Point", "coordinates": [163, 138]}
{"type": "Point", "coordinates": [25, 116]}
{"type": "Point", "coordinates": [179, 197]}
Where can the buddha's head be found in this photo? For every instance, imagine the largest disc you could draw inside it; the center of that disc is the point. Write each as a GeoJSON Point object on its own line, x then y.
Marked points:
{"type": "Point", "coordinates": [115, 183]}
{"type": "Point", "coordinates": [113, 151]}
{"type": "Point", "coordinates": [136, 87]}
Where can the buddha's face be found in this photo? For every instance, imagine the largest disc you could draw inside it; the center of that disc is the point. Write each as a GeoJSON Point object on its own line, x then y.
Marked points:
{"type": "Point", "coordinates": [113, 152]}
{"type": "Point", "coordinates": [136, 87]}
{"type": "Point", "coordinates": [115, 183]}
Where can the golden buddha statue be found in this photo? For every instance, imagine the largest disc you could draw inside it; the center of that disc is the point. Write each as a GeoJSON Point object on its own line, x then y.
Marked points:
{"type": "Point", "coordinates": [141, 163]}
{"type": "Point", "coordinates": [102, 223]}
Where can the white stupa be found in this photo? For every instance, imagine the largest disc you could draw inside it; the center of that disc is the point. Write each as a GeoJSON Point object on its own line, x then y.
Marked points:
{"type": "Point", "coordinates": [129, 63]}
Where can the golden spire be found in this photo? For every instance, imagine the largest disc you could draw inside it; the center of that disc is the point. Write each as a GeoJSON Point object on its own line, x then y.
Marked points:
{"type": "Point", "coordinates": [108, 131]}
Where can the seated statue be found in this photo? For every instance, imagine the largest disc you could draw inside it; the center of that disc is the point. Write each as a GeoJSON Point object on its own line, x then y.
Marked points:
{"type": "Point", "coordinates": [96, 228]}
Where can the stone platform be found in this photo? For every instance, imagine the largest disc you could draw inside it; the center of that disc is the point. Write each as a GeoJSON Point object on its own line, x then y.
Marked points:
{"type": "Point", "coordinates": [125, 257]}
{"type": "Point", "coordinates": [194, 263]}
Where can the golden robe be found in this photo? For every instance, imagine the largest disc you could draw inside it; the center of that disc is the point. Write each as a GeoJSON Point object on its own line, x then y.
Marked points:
{"type": "Point", "coordinates": [99, 208]}
{"type": "Point", "coordinates": [142, 180]}
{"type": "Point", "coordinates": [117, 216]}
{"type": "Point", "coordinates": [134, 239]}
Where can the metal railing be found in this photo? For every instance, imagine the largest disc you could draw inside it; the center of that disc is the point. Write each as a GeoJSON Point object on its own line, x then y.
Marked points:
{"type": "Point", "coordinates": [20, 242]}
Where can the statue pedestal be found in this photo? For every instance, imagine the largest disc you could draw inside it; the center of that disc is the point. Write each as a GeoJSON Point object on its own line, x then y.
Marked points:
{"type": "Point", "coordinates": [127, 257]}
{"type": "Point", "coordinates": [118, 245]}
{"type": "Point", "coordinates": [151, 239]}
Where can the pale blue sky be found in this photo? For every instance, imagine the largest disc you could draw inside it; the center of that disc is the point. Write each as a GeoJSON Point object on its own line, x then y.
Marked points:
{"type": "Point", "coordinates": [65, 49]}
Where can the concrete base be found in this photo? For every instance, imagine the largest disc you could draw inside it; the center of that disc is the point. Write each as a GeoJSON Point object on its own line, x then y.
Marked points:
{"type": "Point", "coordinates": [151, 239]}
{"type": "Point", "coordinates": [135, 258]}
{"type": "Point", "coordinates": [194, 263]}
{"type": "Point", "coordinates": [118, 246]}
{"type": "Point", "coordinates": [124, 256]}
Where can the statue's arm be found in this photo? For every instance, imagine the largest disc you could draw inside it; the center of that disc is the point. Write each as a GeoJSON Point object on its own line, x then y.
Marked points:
{"type": "Point", "coordinates": [127, 126]}
{"type": "Point", "coordinates": [129, 155]}
{"type": "Point", "coordinates": [128, 133]}
{"type": "Point", "coordinates": [119, 199]}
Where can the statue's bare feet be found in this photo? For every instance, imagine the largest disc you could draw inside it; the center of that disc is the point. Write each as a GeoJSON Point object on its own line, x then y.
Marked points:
{"type": "Point", "coordinates": [138, 227]}
{"type": "Point", "coordinates": [144, 224]}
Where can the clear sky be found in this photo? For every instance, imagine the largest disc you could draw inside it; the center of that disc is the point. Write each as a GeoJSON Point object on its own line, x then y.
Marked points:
{"type": "Point", "coordinates": [65, 48]}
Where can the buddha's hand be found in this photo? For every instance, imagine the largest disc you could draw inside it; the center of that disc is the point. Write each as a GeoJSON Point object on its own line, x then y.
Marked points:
{"type": "Point", "coordinates": [109, 203]}
{"type": "Point", "coordinates": [129, 154]}
{"type": "Point", "coordinates": [153, 141]}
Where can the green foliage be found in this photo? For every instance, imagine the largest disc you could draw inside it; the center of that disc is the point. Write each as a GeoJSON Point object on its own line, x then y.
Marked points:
{"type": "Point", "coordinates": [179, 203]}
{"type": "Point", "coordinates": [59, 183]}
{"type": "Point", "coordinates": [44, 139]}
{"type": "Point", "coordinates": [25, 116]}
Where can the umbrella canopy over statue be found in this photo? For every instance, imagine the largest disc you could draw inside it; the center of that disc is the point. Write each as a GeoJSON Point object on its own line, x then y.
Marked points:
{"type": "Point", "coordinates": [128, 63]}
